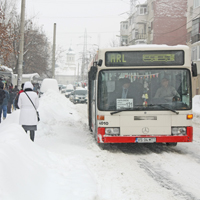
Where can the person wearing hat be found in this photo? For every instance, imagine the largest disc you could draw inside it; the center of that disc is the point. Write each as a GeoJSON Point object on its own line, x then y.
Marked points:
{"type": "Point", "coordinates": [28, 117]}
{"type": "Point", "coordinates": [166, 91]}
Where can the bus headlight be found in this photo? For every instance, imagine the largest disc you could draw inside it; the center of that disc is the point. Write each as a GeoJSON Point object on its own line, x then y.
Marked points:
{"type": "Point", "coordinates": [112, 131]}
{"type": "Point", "coordinates": [178, 131]}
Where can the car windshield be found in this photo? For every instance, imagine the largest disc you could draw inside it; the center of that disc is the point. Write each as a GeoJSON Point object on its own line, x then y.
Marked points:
{"type": "Point", "coordinates": [146, 89]}
{"type": "Point", "coordinates": [69, 90]}
{"type": "Point", "coordinates": [80, 92]}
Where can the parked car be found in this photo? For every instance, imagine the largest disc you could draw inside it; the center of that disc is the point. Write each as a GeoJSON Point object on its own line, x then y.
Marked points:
{"type": "Point", "coordinates": [60, 86]}
{"type": "Point", "coordinates": [68, 92]}
{"type": "Point", "coordinates": [79, 95]}
{"type": "Point", "coordinates": [71, 96]}
{"type": "Point", "coordinates": [63, 89]}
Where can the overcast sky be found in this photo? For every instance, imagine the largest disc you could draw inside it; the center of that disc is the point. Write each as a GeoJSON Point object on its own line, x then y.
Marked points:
{"type": "Point", "coordinates": [101, 19]}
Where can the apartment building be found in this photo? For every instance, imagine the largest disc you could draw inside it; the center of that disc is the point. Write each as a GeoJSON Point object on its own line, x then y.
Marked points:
{"type": "Point", "coordinates": [155, 22]}
{"type": "Point", "coordinates": [170, 22]}
{"type": "Point", "coordinates": [193, 38]}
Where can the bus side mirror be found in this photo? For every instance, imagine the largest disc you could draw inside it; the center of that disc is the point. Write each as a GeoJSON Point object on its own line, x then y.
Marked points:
{"type": "Point", "coordinates": [92, 73]}
{"type": "Point", "coordinates": [100, 62]}
{"type": "Point", "coordinates": [194, 70]}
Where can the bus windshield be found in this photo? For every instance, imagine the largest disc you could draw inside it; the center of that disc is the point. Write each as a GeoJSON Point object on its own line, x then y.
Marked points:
{"type": "Point", "coordinates": [144, 89]}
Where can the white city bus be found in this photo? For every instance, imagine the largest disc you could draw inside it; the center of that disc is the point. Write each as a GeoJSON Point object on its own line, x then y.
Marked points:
{"type": "Point", "coordinates": [142, 117]}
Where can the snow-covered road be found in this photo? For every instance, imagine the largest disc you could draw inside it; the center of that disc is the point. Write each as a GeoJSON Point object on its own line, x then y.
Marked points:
{"type": "Point", "coordinates": [81, 170]}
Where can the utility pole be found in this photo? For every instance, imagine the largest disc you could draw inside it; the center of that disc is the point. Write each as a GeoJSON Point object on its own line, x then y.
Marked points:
{"type": "Point", "coordinates": [21, 45]}
{"type": "Point", "coordinates": [54, 52]}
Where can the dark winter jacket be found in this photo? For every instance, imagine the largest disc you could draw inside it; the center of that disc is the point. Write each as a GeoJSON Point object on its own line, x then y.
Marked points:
{"type": "Point", "coordinates": [2, 93]}
{"type": "Point", "coordinates": [12, 96]}
{"type": "Point", "coordinates": [2, 96]}
{"type": "Point", "coordinates": [6, 98]}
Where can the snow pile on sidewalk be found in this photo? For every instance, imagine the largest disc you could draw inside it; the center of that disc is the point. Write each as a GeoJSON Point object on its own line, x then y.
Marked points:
{"type": "Point", "coordinates": [30, 172]}
{"type": "Point", "coordinates": [196, 109]}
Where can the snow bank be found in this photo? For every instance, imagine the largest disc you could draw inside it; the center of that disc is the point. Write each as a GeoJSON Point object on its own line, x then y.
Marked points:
{"type": "Point", "coordinates": [196, 109]}
{"type": "Point", "coordinates": [55, 108]}
{"type": "Point", "coordinates": [30, 172]}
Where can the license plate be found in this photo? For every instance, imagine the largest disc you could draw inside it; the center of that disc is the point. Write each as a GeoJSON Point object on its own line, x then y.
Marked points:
{"type": "Point", "coordinates": [145, 140]}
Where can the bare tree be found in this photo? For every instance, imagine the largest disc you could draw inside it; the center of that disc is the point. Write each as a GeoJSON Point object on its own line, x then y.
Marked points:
{"type": "Point", "coordinates": [36, 44]}
{"type": "Point", "coordinates": [6, 37]}
{"type": "Point", "coordinates": [114, 43]}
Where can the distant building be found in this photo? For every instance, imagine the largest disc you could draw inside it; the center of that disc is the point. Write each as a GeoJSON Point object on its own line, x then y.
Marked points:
{"type": "Point", "coordinates": [67, 74]}
{"type": "Point", "coordinates": [193, 38]}
{"type": "Point", "coordinates": [155, 22]}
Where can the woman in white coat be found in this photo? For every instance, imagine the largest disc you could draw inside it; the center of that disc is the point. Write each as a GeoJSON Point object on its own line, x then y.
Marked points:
{"type": "Point", "coordinates": [28, 116]}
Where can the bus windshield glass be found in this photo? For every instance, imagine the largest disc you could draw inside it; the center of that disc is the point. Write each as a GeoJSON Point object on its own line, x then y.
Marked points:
{"type": "Point", "coordinates": [144, 89]}
{"type": "Point", "coordinates": [145, 58]}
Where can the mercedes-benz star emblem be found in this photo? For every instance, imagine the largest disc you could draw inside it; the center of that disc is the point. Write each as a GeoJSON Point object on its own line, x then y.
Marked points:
{"type": "Point", "coordinates": [145, 130]}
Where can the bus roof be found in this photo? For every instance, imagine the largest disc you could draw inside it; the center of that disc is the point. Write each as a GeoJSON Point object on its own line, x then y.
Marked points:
{"type": "Point", "coordinates": [146, 47]}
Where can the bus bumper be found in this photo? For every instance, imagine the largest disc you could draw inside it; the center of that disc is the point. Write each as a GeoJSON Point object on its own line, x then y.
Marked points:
{"type": "Point", "coordinates": [102, 138]}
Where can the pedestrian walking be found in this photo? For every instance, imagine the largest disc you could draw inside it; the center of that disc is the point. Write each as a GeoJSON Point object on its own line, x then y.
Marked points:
{"type": "Point", "coordinates": [10, 103]}
{"type": "Point", "coordinates": [28, 117]}
{"type": "Point", "coordinates": [3, 107]}
{"type": "Point", "coordinates": [2, 95]}
{"type": "Point", "coordinates": [15, 101]}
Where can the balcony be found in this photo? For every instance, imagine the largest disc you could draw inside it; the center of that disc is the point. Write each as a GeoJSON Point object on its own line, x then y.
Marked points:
{"type": "Point", "coordinates": [140, 36]}
{"type": "Point", "coordinates": [195, 38]}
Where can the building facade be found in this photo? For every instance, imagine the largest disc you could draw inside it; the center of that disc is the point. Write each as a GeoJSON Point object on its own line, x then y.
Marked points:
{"type": "Point", "coordinates": [193, 38]}
{"type": "Point", "coordinates": [67, 74]}
{"type": "Point", "coordinates": [169, 22]}
{"type": "Point", "coordinates": [155, 22]}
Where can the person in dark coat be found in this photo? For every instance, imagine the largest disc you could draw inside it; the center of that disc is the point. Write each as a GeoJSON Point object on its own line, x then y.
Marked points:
{"type": "Point", "coordinates": [3, 106]}
{"type": "Point", "coordinates": [17, 93]}
{"type": "Point", "coordinates": [28, 117]}
{"type": "Point", "coordinates": [2, 93]}
{"type": "Point", "coordinates": [10, 103]}
{"type": "Point", "coordinates": [2, 96]}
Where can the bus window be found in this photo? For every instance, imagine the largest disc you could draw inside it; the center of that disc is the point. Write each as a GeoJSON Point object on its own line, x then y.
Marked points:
{"type": "Point", "coordinates": [147, 89]}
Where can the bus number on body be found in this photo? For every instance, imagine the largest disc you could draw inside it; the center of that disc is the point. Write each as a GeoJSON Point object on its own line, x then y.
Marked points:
{"type": "Point", "coordinates": [103, 123]}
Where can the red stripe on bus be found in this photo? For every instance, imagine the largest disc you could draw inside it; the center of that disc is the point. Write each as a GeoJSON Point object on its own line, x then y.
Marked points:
{"type": "Point", "coordinates": [159, 139]}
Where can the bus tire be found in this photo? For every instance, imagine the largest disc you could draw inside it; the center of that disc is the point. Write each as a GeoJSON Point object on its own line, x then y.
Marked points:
{"type": "Point", "coordinates": [103, 146]}
{"type": "Point", "coordinates": [173, 144]}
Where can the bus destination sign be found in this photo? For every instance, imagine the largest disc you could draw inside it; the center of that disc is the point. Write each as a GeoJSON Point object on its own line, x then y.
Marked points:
{"type": "Point", "coordinates": [144, 58]}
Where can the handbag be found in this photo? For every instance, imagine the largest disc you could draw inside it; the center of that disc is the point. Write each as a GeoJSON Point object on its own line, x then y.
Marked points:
{"type": "Point", "coordinates": [38, 117]}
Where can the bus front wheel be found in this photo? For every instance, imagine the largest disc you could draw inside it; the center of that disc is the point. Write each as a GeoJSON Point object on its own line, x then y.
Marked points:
{"type": "Point", "coordinates": [173, 144]}
{"type": "Point", "coordinates": [103, 146]}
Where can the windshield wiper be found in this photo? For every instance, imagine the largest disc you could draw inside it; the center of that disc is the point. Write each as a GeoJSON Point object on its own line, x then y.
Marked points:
{"type": "Point", "coordinates": [118, 111]}
{"type": "Point", "coordinates": [164, 107]}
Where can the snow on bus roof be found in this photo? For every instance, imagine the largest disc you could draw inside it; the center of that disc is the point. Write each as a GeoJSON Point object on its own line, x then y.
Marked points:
{"type": "Point", "coordinates": [156, 45]}
{"type": "Point", "coordinates": [30, 75]}
{"type": "Point", "coordinates": [5, 69]}
{"type": "Point", "coordinates": [146, 47]}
